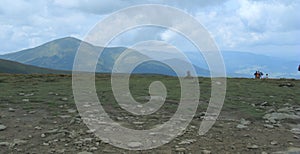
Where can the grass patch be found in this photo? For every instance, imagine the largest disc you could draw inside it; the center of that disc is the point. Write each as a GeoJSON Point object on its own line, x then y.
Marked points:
{"type": "Point", "coordinates": [240, 97]}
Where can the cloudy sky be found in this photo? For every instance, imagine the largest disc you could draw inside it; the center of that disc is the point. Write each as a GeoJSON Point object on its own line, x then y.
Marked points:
{"type": "Point", "coordinates": [270, 27]}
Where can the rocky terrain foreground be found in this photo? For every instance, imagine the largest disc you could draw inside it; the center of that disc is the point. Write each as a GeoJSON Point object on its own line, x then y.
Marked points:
{"type": "Point", "coordinates": [38, 115]}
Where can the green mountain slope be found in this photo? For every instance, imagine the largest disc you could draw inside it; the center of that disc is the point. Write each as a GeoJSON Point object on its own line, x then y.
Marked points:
{"type": "Point", "coordinates": [7, 66]}
{"type": "Point", "coordinates": [59, 55]}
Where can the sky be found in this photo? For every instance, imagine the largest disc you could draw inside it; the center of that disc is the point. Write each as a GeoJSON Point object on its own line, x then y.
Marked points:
{"type": "Point", "coordinates": [269, 27]}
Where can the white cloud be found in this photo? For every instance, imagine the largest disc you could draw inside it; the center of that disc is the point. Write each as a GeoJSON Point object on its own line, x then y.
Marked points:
{"type": "Point", "coordinates": [264, 16]}
{"type": "Point", "coordinates": [104, 7]}
{"type": "Point", "coordinates": [267, 26]}
{"type": "Point", "coordinates": [252, 25]}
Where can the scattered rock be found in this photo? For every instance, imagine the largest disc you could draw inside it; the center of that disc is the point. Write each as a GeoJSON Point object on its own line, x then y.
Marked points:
{"type": "Point", "coordinates": [240, 126]}
{"type": "Point", "coordinates": [206, 152]}
{"type": "Point", "coordinates": [52, 131]}
{"type": "Point", "coordinates": [43, 135]}
{"type": "Point", "coordinates": [31, 112]}
{"type": "Point", "coordinates": [252, 147]}
{"type": "Point", "coordinates": [46, 144]}
{"type": "Point", "coordinates": [280, 116]}
{"type": "Point", "coordinates": [90, 131]}
{"type": "Point", "coordinates": [87, 140]}
{"type": "Point", "coordinates": [73, 134]}
{"type": "Point", "coordinates": [52, 93]}
{"type": "Point", "coordinates": [134, 144]}
{"type": "Point", "coordinates": [245, 122]}
{"type": "Point", "coordinates": [180, 149]}
{"type": "Point", "coordinates": [93, 149]}
{"type": "Point", "coordinates": [84, 152]}
{"type": "Point", "coordinates": [61, 151]}
{"type": "Point", "coordinates": [274, 143]}
{"type": "Point", "coordinates": [78, 142]}
{"type": "Point", "coordinates": [25, 100]}
{"type": "Point", "coordinates": [72, 121]}
{"type": "Point", "coordinates": [4, 143]}
{"type": "Point", "coordinates": [65, 116]}
{"type": "Point", "coordinates": [64, 99]}
{"type": "Point", "coordinates": [270, 111]}
{"type": "Point", "coordinates": [71, 111]}
{"type": "Point", "coordinates": [289, 151]}
{"type": "Point", "coordinates": [277, 125]}
{"type": "Point", "coordinates": [273, 121]}
{"type": "Point", "coordinates": [268, 126]}
{"type": "Point", "coordinates": [38, 128]}
{"type": "Point", "coordinates": [296, 131]}
{"type": "Point", "coordinates": [11, 109]}
{"type": "Point", "coordinates": [2, 127]}
{"type": "Point", "coordinates": [120, 118]}
{"type": "Point", "coordinates": [18, 142]}
{"type": "Point", "coordinates": [31, 94]}
{"type": "Point", "coordinates": [138, 123]}
{"type": "Point", "coordinates": [188, 141]}
{"type": "Point", "coordinates": [286, 110]}
{"type": "Point", "coordinates": [265, 104]}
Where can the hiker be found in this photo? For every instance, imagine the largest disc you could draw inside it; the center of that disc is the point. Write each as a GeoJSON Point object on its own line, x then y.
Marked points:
{"type": "Point", "coordinates": [188, 74]}
{"type": "Point", "coordinates": [267, 76]}
{"type": "Point", "coordinates": [261, 74]}
{"type": "Point", "coordinates": [258, 74]}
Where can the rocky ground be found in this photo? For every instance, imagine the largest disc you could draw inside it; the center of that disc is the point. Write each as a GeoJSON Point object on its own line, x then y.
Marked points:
{"type": "Point", "coordinates": [38, 115]}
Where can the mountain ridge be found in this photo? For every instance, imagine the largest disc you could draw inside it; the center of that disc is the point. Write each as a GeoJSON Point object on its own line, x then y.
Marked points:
{"type": "Point", "coordinates": [12, 67]}
{"type": "Point", "coordinates": [59, 54]}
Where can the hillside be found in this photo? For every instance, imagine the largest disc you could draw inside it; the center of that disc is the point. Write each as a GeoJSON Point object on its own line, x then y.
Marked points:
{"type": "Point", "coordinates": [59, 55]}
{"type": "Point", "coordinates": [11, 67]}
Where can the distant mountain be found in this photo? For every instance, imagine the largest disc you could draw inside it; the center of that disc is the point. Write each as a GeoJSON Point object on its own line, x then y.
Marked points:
{"type": "Point", "coordinates": [162, 68]}
{"type": "Point", "coordinates": [247, 63]}
{"type": "Point", "coordinates": [11, 67]}
{"type": "Point", "coordinates": [244, 64]}
{"type": "Point", "coordinates": [59, 55]}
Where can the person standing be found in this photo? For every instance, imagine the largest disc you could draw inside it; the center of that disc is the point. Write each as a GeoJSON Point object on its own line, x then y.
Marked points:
{"type": "Point", "coordinates": [257, 75]}
{"type": "Point", "coordinates": [260, 74]}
